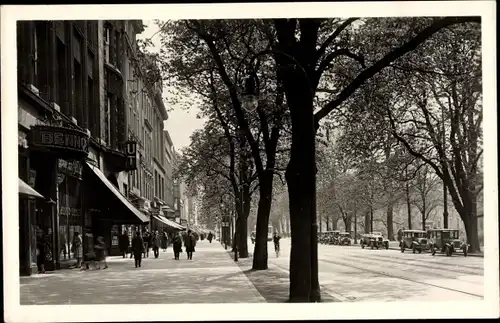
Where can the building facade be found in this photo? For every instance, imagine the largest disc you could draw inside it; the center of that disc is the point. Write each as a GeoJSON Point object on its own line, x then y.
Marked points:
{"type": "Point", "coordinates": [85, 141]}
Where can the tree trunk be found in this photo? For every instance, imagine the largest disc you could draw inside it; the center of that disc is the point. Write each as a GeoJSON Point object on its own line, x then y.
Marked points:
{"type": "Point", "coordinates": [367, 221]}
{"type": "Point", "coordinates": [355, 226]}
{"type": "Point", "coordinates": [408, 203]}
{"type": "Point", "coordinates": [471, 224]}
{"type": "Point", "coordinates": [243, 233]}
{"type": "Point", "coordinates": [334, 225]}
{"type": "Point", "coordinates": [263, 212]}
{"type": "Point", "coordinates": [327, 223]}
{"type": "Point", "coordinates": [390, 226]}
{"type": "Point", "coordinates": [301, 180]}
{"type": "Point", "coordinates": [347, 223]}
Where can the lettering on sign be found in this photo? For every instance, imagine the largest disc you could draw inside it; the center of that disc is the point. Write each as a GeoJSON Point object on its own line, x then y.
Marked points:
{"type": "Point", "coordinates": [131, 153]}
{"type": "Point", "coordinates": [59, 139]}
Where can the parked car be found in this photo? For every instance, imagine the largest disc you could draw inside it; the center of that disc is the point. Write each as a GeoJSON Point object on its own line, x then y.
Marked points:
{"type": "Point", "coordinates": [374, 240]}
{"type": "Point", "coordinates": [413, 239]}
{"type": "Point", "coordinates": [252, 236]}
{"type": "Point", "coordinates": [446, 241]}
{"type": "Point", "coordinates": [335, 237]}
{"type": "Point", "coordinates": [344, 238]}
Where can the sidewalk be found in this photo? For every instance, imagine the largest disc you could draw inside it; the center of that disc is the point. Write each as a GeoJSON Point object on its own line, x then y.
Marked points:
{"type": "Point", "coordinates": [274, 283]}
{"type": "Point", "coordinates": [211, 277]}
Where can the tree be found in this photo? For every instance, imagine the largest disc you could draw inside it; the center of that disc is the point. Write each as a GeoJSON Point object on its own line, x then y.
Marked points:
{"type": "Point", "coordinates": [211, 160]}
{"type": "Point", "coordinates": [440, 116]}
{"type": "Point", "coordinates": [308, 47]}
{"type": "Point", "coordinates": [425, 185]}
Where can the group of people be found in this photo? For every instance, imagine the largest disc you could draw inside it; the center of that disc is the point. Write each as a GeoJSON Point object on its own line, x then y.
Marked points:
{"type": "Point", "coordinates": [141, 243]}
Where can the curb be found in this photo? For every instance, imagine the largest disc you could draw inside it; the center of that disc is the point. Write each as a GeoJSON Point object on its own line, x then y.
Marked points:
{"type": "Point", "coordinates": [257, 294]}
{"type": "Point", "coordinates": [334, 295]}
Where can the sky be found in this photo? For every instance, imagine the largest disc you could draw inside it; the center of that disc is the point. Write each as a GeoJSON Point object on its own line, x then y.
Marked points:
{"type": "Point", "coordinates": [181, 123]}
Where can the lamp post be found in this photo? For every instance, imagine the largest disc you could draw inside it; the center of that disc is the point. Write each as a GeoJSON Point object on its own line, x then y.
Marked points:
{"type": "Point", "coordinates": [250, 99]}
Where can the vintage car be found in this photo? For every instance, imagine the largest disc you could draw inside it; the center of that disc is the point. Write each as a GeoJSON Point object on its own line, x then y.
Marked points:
{"type": "Point", "coordinates": [335, 237]}
{"type": "Point", "coordinates": [446, 241]}
{"type": "Point", "coordinates": [344, 239]}
{"type": "Point", "coordinates": [415, 240]}
{"type": "Point", "coordinates": [374, 240]}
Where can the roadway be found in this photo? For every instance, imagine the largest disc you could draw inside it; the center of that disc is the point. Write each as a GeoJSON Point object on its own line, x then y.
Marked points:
{"type": "Point", "coordinates": [350, 273]}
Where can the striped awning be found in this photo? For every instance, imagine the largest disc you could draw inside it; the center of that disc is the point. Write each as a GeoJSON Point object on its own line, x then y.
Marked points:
{"type": "Point", "coordinates": [168, 222]}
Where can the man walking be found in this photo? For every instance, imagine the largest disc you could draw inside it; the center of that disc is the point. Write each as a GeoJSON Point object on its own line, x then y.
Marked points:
{"type": "Point", "coordinates": [147, 243]}
{"type": "Point", "coordinates": [189, 243]}
{"type": "Point", "coordinates": [123, 243]}
{"type": "Point", "coordinates": [155, 240]}
{"type": "Point", "coordinates": [177, 245]}
{"type": "Point", "coordinates": [137, 248]}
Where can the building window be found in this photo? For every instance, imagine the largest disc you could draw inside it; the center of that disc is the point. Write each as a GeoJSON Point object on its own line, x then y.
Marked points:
{"type": "Point", "coordinates": [61, 86]}
{"type": "Point", "coordinates": [77, 90]}
{"type": "Point", "coordinates": [106, 35]}
{"type": "Point", "coordinates": [107, 119]}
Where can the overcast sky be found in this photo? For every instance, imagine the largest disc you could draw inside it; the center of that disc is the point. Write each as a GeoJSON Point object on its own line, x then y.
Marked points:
{"type": "Point", "coordinates": [181, 123]}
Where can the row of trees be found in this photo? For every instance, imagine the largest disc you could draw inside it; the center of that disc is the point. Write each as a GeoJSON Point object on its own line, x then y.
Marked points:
{"type": "Point", "coordinates": [401, 93]}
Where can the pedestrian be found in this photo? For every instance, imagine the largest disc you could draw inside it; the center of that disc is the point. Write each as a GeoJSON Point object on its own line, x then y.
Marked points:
{"type": "Point", "coordinates": [147, 243]}
{"type": "Point", "coordinates": [177, 245]}
{"type": "Point", "coordinates": [40, 254]}
{"type": "Point", "coordinates": [138, 248]}
{"type": "Point", "coordinates": [77, 249]}
{"type": "Point", "coordinates": [210, 236]}
{"type": "Point", "coordinates": [190, 243]}
{"type": "Point", "coordinates": [164, 241]}
{"type": "Point", "coordinates": [155, 243]}
{"type": "Point", "coordinates": [123, 243]}
{"type": "Point", "coordinates": [101, 252]}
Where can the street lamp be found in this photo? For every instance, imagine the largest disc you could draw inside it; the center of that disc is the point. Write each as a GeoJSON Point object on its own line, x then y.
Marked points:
{"type": "Point", "coordinates": [250, 96]}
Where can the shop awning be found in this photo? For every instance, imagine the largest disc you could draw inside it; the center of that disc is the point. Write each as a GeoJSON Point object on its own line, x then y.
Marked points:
{"type": "Point", "coordinates": [26, 190]}
{"type": "Point", "coordinates": [118, 194]}
{"type": "Point", "coordinates": [167, 208]}
{"type": "Point", "coordinates": [168, 222]}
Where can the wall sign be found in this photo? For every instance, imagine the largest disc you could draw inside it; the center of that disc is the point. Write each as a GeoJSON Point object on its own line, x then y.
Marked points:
{"type": "Point", "coordinates": [59, 139]}
{"type": "Point", "coordinates": [131, 153]}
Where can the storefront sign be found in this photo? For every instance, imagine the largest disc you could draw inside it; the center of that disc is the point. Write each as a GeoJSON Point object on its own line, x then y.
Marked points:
{"type": "Point", "coordinates": [131, 152]}
{"type": "Point", "coordinates": [66, 210]}
{"type": "Point", "coordinates": [59, 139]}
{"type": "Point", "coordinates": [73, 167]}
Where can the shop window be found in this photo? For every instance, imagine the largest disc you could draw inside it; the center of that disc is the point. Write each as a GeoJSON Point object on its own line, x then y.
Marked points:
{"type": "Point", "coordinates": [70, 218]}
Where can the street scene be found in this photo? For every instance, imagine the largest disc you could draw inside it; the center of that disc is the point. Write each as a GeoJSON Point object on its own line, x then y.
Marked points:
{"type": "Point", "coordinates": [347, 274]}
{"type": "Point", "coordinates": [298, 160]}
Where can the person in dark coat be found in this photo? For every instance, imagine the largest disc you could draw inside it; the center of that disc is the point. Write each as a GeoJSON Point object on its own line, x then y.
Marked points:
{"type": "Point", "coordinates": [101, 252]}
{"type": "Point", "coordinates": [155, 243]}
{"type": "Point", "coordinates": [147, 243]}
{"type": "Point", "coordinates": [177, 245]}
{"type": "Point", "coordinates": [123, 243]}
{"type": "Point", "coordinates": [138, 248]}
{"type": "Point", "coordinates": [164, 241]}
{"type": "Point", "coordinates": [40, 254]}
{"type": "Point", "coordinates": [210, 236]}
{"type": "Point", "coordinates": [189, 243]}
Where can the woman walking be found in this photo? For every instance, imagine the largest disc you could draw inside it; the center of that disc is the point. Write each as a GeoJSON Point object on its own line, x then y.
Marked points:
{"type": "Point", "coordinates": [137, 248]}
{"type": "Point", "coordinates": [77, 248]}
{"type": "Point", "coordinates": [177, 244]}
{"type": "Point", "coordinates": [164, 241]}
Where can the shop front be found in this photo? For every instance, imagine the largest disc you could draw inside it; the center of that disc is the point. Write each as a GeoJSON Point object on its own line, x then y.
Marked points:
{"type": "Point", "coordinates": [47, 142]}
{"type": "Point", "coordinates": [111, 211]}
